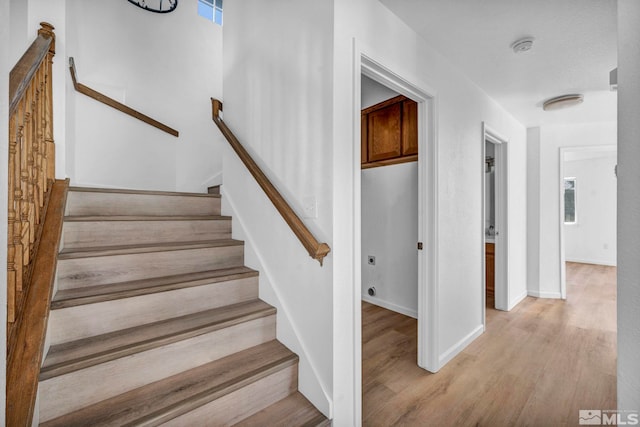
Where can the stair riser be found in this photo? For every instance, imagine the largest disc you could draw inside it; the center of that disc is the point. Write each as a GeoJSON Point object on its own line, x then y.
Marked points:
{"type": "Point", "coordinates": [70, 392]}
{"type": "Point", "coordinates": [100, 270]}
{"type": "Point", "coordinates": [72, 323]}
{"type": "Point", "coordinates": [241, 403]}
{"type": "Point", "coordinates": [98, 203]}
{"type": "Point", "coordinates": [81, 234]}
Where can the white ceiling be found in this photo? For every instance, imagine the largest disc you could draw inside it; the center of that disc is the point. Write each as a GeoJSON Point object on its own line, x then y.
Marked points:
{"type": "Point", "coordinates": [575, 47]}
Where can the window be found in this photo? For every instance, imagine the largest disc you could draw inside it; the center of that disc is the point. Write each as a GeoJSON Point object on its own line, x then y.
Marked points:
{"type": "Point", "coordinates": [211, 9]}
{"type": "Point", "coordinates": [570, 201]}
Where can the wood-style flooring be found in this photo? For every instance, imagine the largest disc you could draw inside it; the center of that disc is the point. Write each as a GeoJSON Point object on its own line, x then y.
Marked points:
{"type": "Point", "coordinates": [536, 365]}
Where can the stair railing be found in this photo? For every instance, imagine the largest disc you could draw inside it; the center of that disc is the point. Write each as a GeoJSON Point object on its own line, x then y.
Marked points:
{"type": "Point", "coordinates": [31, 160]}
{"type": "Point", "coordinates": [316, 249]}
{"type": "Point", "coordinates": [35, 212]}
{"type": "Point", "coordinates": [79, 87]}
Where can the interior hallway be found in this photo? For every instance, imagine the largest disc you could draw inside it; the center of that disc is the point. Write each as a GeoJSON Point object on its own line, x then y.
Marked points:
{"type": "Point", "coordinates": [536, 365]}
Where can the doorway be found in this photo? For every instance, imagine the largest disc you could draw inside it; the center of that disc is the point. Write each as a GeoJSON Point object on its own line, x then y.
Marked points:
{"type": "Point", "coordinates": [588, 208]}
{"type": "Point", "coordinates": [389, 194]}
{"type": "Point", "coordinates": [494, 221]}
{"type": "Point", "coordinates": [427, 342]}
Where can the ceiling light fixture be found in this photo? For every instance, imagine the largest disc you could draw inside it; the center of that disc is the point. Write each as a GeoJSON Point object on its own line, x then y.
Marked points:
{"type": "Point", "coordinates": [522, 45]}
{"type": "Point", "coordinates": [563, 101]}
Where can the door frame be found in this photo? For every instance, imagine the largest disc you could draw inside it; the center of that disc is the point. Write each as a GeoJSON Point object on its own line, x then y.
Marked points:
{"type": "Point", "coordinates": [501, 281]}
{"type": "Point", "coordinates": [428, 354]}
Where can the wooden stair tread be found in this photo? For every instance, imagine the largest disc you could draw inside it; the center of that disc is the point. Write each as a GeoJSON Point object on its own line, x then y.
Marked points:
{"type": "Point", "coordinates": [165, 399]}
{"type": "Point", "coordinates": [82, 353]}
{"type": "Point", "coordinates": [144, 248]}
{"type": "Point", "coordinates": [93, 294]}
{"type": "Point", "coordinates": [292, 411]}
{"type": "Point", "coordinates": [93, 218]}
{"type": "Point", "coordinates": [141, 192]}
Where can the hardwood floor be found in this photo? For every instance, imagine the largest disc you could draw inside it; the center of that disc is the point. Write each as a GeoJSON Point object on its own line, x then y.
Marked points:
{"type": "Point", "coordinates": [536, 365]}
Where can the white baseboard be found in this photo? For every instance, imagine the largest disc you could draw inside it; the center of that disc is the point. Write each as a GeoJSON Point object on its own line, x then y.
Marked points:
{"type": "Point", "coordinates": [390, 306]}
{"type": "Point", "coordinates": [591, 261]}
{"type": "Point", "coordinates": [538, 294]}
{"type": "Point", "coordinates": [517, 300]}
{"type": "Point", "coordinates": [454, 350]}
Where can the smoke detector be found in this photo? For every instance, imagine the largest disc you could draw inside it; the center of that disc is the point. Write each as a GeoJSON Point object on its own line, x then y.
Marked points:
{"type": "Point", "coordinates": [522, 45]}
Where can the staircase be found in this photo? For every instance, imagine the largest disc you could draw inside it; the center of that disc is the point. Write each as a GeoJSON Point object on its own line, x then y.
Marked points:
{"type": "Point", "coordinates": [155, 320]}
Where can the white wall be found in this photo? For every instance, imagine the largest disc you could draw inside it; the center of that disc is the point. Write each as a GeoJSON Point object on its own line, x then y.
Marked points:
{"type": "Point", "coordinates": [372, 92]}
{"type": "Point", "coordinates": [544, 222]}
{"type": "Point", "coordinates": [166, 66]}
{"type": "Point", "coordinates": [593, 238]}
{"type": "Point", "coordinates": [277, 100]}
{"type": "Point", "coordinates": [461, 109]}
{"type": "Point", "coordinates": [390, 233]}
{"type": "Point", "coordinates": [628, 205]}
{"type": "Point", "coordinates": [533, 210]}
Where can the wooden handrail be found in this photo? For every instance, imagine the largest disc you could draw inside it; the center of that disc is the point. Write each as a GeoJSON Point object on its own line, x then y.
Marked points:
{"type": "Point", "coordinates": [115, 104]}
{"type": "Point", "coordinates": [31, 246]}
{"type": "Point", "coordinates": [24, 360]}
{"type": "Point", "coordinates": [316, 250]}
{"type": "Point", "coordinates": [24, 70]}
{"type": "Point", "coordinates": [31, 163]}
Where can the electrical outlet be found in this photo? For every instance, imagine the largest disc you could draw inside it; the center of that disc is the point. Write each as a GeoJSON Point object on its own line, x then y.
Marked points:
{"type": "Point", "coordinates": [371, 260]}
{"type": "Point", "coordinates": [310, 207]}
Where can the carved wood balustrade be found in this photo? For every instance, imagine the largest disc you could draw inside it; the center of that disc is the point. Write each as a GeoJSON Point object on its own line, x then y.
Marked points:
{"type": "Point", "coordinates": [31, 162]}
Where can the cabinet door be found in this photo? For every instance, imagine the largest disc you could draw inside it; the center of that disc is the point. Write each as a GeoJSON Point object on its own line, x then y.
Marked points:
{"type": "Point", "coordinates": [490, 268]}
{"type": "Point", "coordinates": [384, 133]}
{"type": "Point", "coordinates": [363, 139]}
{"type": "Point", "coordinates": [409, 127]}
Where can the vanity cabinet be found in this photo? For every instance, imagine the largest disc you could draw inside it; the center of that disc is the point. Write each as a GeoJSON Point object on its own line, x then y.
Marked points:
{"type": "Point", "coordinates": [389, 132]}
{"type": "Point", "coordinates": [490, 267]}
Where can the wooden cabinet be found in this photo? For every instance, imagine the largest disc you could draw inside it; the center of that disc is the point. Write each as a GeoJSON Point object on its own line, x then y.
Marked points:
{"type": "Point", "coordinates": [490, 267]}
{"type": "Point", "coordinates": [389, 132]}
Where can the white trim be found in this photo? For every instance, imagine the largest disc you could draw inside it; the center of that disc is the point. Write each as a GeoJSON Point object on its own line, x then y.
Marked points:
{"type": "Point", "coordinates": [455, 349]}
{"type": "Point", "coordinates": [517, 300]}
{"type": "Point", "coordinates": [390, 306]}
{"type": "Point", "coordinates": [283, 309]}
{"type": "Point", "coordinates": [544, 294]}
{"type": "Point", "coordinates": [427, 198]}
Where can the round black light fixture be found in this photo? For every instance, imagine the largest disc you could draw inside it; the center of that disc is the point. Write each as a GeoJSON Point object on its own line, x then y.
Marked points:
{"type": "Point", "coordinates": [157, 6]}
